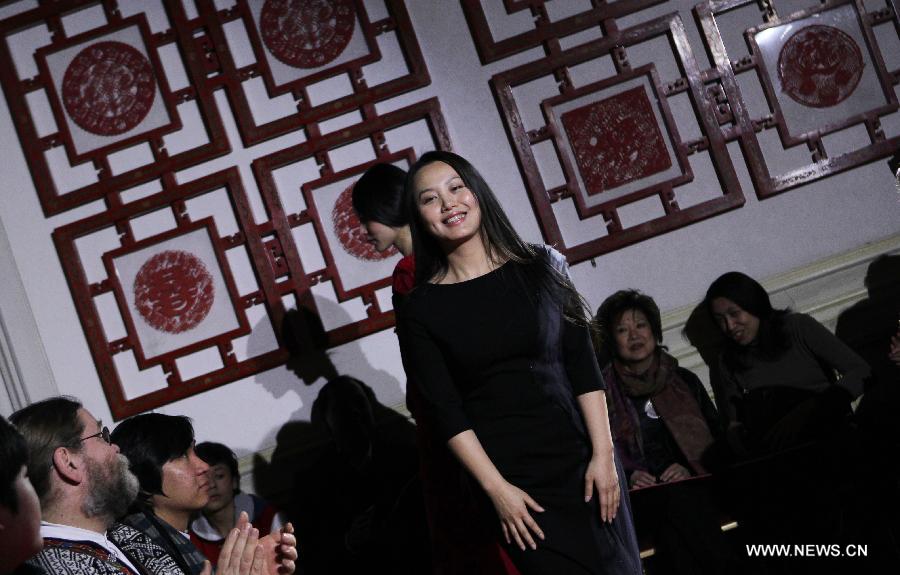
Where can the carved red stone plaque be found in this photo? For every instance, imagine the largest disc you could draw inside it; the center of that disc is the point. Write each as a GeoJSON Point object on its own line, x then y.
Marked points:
{"type": "Point", "coordinates": [108, 88]}
{"type": "Point", "coordinates": [616, 140]}
{"type": "Point", "coordinates": [820, 66]}
{"type": "Point", "coordinates": [173, 291]}
{"type": "Point", "coordinates": [307, 33]}
{"type": "Point", "coordinates": [350, 232]}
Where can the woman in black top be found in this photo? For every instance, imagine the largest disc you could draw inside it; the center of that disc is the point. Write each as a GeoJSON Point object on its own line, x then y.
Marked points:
{"type": "Point", "coordinates": [497, 339]}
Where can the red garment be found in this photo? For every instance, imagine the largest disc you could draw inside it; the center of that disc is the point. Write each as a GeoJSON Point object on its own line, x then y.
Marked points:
{"type": "Point", "coordinates": [463, 542]}
{"type": "Point", "coordinates": [404, 278]}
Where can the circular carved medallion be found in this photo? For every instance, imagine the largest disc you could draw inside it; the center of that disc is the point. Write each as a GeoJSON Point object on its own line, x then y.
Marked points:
{"type": "Point", "coordinates": [350, 232]}
{"type": "Point", "coordinates": [173, 291]}
{"type": "Point", "coordinates": [108, 88]}
{"type": "Point", "coordinates": [307, 33]}
{"type": "Point", "coordinates": [820, 66]}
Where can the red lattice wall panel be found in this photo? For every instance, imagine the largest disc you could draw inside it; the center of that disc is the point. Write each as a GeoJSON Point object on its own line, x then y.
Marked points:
{"type": "Point", "coordinates": [541, 27]}
{"type": "Point", "coordinates": [112, 90]}
{"type": "Point", "coordinates": [608, 145]}
{"type": "Point", "coordinates": [812, 83]}
{"type": "Point", "coordinates": [335, 262]}
{"type": "Point", "coordinates": [186, 289]}
{"type": "Point", "coordinates": [310, 61]}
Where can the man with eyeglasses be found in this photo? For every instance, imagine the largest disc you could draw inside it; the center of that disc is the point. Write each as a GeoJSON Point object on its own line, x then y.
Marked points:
{"type": "Point", "coordinates": [84, 486]}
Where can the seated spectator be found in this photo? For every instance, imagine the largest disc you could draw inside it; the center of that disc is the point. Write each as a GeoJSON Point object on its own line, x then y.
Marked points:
{"type": "Point", "coordinates": [173, 486]}
{"type": "Point", "coordinates": [663, 424]}
{"type": "Point", "coordinates": [785, 386]}
{"type": "Point", "coordinates": [84, 483]}
{"type": "Point", "coordinates": [777, 371]}
{"type": "Point", "coordinates": [20, 510]}
{"type": "Point", "coordinates": [226, 503]}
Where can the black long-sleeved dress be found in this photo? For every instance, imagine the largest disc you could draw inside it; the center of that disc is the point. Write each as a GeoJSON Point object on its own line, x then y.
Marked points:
{"type": "Point", "coordinates": [495, 355]}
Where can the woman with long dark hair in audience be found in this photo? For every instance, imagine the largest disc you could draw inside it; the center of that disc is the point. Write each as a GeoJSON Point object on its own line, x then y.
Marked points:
{"type": "Point", "coordinates": [497, 340]}
{"type": "Point", "coordinates": [785, 384]}
{"type": "Point", "coordinates": [664, 425]}
{"type": "Point", "coordinates": [458, 544]}
{"type": "Point", "coordinates": [778, 369]}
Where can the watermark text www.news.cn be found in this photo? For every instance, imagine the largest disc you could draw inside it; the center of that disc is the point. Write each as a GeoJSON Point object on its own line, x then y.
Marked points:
{"type": "Point", "coordinates": [807, 550]}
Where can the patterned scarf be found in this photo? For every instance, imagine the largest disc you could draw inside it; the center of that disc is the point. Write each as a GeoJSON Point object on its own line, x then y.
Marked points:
{"type": "Point", "coordinates": [672, 400]}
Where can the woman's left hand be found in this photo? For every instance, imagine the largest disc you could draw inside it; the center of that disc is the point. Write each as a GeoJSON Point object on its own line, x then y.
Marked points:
{"type": "Point", "coordinates": [601, 472]}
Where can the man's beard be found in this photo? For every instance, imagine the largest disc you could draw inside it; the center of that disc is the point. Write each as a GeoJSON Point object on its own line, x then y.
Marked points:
{"type": "Point", "coordinates": [113, 489]}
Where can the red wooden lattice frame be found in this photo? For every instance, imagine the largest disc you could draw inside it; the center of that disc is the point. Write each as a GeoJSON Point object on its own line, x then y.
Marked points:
{"type": "Point", "coordinates": [275, 259]}
{"type": "Point", "coordinates": [84, 292]}
{"type": "Point", "coordinates": [144, 360]}
{"type": "Point", "coordinates": [300, 278]}
{"type": "Point", "coordinates": [189, 37]}
{"type": "Point", "coordinates": [545, 32]}
{"type": "Point", "coordinates": [363, 95]}
{"type": "Point", "coordinates": [746, 128]}
{"type": "Point", "coordinates": [56, 101]}
{"type": "Point", "coordinates": [711, 114]}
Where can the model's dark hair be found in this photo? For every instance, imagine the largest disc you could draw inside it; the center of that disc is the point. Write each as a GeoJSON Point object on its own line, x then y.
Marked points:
{"type": "Point", "coordinates": [13, 454]}
{"type": "Point", "coordinates": [772, 339]}
{"type": "Point", "coordinates": [614, 306]}
{"type": "Point", "coordinates": [149, 441]}
{"type": "Point", "coordinates": [378, 196]}
{"type": "Point", "coordinates": [46, 426]}
{"type": "Point", "coordinates": [216, 453]}
{"type": "Point", "coordinates": [500, 239]}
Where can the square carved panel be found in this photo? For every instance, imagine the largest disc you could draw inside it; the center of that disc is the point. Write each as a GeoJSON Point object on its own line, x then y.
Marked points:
{"type": "Point", "coordinates": [286, 65]}
{"type": "Point", "coordinates": [102, 102]}
{"type": "Point", "coordinates": [609, 136]}
{"type": "Point", "coordinates": [813, 82]}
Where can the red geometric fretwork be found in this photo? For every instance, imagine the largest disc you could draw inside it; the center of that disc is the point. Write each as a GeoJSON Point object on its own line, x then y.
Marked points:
{"type": "Point", "coordinates": [616, 141]}
{"type": "Point", "coordinates": [820, 66]}
{"type": "Point", "coordinates": [173, 291]}
{"type": "Point", "coordinates": [307, 33]}
{"type": "Point", "coordinates": [108, 88]}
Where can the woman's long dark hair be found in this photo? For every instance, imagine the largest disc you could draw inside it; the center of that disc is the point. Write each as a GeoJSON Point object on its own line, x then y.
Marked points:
{"type": "Point", "coordinates": [772, 339]}
{"type": "Point", "coordinates": [378, 196]}
{"type": "Point", "coordinates": [500, 239]}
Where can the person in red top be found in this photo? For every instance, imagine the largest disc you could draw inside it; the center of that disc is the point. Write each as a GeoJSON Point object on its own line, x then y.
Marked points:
{"type": "Point", "coordinates": [226, 502]}
{"type": "Point", "coordinates": [460, 545]}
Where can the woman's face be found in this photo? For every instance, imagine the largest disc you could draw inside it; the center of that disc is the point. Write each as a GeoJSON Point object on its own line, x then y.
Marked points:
{"type": "Point", "coordinates": [381, 236]}
{"type": "Point", "coordinates": [635, 342]}
{"type": "Point", "coordinates": [221, 487]}
{"type": "Point", "coordinates": [736, 323]}
{"type": "Point", "coordinates": [446, 206]}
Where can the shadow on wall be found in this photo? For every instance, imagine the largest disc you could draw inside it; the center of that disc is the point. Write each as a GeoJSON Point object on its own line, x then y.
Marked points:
{"type": "Point", "coordinates": [311, 364]}
{"type": "Point", "coordinates": [352, 492]}
{"type": "Point", "coordinates": [344, 469]}
{"type": "Point", "coordinates": [867, 326]}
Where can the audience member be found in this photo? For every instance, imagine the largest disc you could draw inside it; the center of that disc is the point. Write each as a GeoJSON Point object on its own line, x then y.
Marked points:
{"type": "Point", "coordinates": [778, 368]}
{"type": "Point", "coordinates": [785, 389]}
{"type": "Point", "coordinates": [83, 483]}
{"type": "Point", "coordinates": [174, 485]}
{"type": "Point", "coordinates": [226, 503]}
{"type": "Point", "coordinates": [20, 510]}
{"type": "Point", "coordinates": [663, 424]}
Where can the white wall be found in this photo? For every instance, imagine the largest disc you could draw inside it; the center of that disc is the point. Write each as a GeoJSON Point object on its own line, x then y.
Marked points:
{"type": "Point", "coordinates": [763, 238]}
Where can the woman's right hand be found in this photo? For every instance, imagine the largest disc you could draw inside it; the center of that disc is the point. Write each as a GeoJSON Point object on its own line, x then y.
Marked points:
{"type": "Point", "coordinates": [512, 505]}
{"type": "Point", "coordinates": [640, 478]}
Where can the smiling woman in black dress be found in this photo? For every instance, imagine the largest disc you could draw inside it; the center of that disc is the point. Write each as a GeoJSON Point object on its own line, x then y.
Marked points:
{"type": "Point", "coordinates": [498, 342]}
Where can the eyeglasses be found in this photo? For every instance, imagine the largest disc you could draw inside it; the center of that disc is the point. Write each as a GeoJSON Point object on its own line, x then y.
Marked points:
{"type": "Point", "coordinates": [102, 434]}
